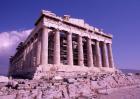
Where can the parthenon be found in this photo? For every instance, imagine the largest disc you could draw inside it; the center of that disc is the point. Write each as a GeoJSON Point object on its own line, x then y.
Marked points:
{"type": "Point", "coordinates": [66, 43]}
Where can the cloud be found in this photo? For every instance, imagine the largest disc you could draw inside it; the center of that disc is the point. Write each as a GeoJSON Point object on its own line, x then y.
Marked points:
{"type": "Point", "coordinates": [9, 40]}
{"type": "Point", "coordinates": [8, 43]}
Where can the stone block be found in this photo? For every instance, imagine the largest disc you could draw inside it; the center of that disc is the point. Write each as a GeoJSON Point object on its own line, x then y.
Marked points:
{"type": "Point", "coordinates": [4, 79]}
{"type": "Point", "coordinates": [8, 97]}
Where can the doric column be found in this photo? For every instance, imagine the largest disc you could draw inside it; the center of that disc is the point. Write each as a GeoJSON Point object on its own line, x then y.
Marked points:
{"type": "Point", "coordinates": [31, 54]}
{"type": "Point", "coordinates": [44, 46]}
{"type": "Point", "coordinates": [89, 51]}
{"type": "Point", "coordinates": [105, 57]}
{"type": "Point", "coordinates": [34, 61]}
{"type": "Point", "coordinates": [24, 58]}
{"type": "Point", "coordinates": [27, 56]}
{"type": "Point", "coordinates": [80, 51]}
{"type": "Point", "coordinates": [98, 54]}
{"type": "Point", "coordinates": [57, 48]}
{"type": "Point", "coordinates": [69, 49]}
{"type": "Point", "coordinates": [110, 55]}
{"type": "Point", "coordinates": [38, 51]}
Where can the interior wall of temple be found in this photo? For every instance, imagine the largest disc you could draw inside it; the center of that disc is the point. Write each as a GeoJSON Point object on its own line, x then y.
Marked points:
{"type": "Point", "coordinates": [51, 48]}
{"type": "Point", "coordinates": [75, 48]}
{"type": "Point", "coordinates": [85, 51]}
{"type": "Point", "coordinates": [63, 48]}
{"type": "Point", "coordinates": [94, 53]}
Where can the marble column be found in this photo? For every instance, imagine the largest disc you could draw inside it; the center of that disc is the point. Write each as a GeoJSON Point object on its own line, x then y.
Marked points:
{"type": "Point", "coordinates": [57, 48]}
{"type": "Point", "coordinates": [69, 49]}
{"type": "Point", "coordinates": [105, 57]}
{"type": "Point", "coordinates": [110, 55]}
{"type": "Point", "coordinates": [24, 58]}
{"type": "Point", "coordinates": [34, 62]}
{"type": "Point", "coordinates": [28, 55]}
{"type": "Point", "coordinates": [44, 46]}
{"type": "Point", "coordinates": [31, 54]}
{"type": "Point", "coordinates": [98, 54]}
{"type": "Point", "coordinates": [80, 51]}
{"type": "Point", "coordinates": [89, 52]}
{"type": "Point", "coordinates": [38, 51]}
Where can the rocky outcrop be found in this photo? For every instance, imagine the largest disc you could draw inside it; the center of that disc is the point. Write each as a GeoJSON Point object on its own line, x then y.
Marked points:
{"type": "Point", "coordinates": [68, 86]}
{"type": "Point", "coordinates": [3, 79]}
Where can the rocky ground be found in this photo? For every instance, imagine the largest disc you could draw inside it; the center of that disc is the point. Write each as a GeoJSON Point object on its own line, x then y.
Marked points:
{"type": "Point", "coordinates": [126, 93]}
{"type": "Point", "coordinates": [74, 86]}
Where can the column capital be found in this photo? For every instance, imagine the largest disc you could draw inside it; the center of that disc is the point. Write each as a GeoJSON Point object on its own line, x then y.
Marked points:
{"type": "Point", "coordinates": [97, 41]}
{"type": "Point", "coordinates": [69, 33]}
{"type": "Point", "coordinates": [56, 30]}
{"type": "Point", "coordinates": [109, 44]}
{"type": "Point", "coordinates": [80, 35]}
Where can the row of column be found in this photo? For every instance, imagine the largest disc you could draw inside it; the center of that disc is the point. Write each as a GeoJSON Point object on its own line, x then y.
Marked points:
{"type": "Point", "coordinates": [106, 60]}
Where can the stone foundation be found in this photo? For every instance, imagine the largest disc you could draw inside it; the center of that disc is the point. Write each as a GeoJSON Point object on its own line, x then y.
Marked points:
{"type": "Point", "coordinates": [72, 85]}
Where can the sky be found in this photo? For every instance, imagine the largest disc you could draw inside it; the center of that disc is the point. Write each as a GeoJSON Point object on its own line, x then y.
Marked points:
{"type": "Point", "coordinates": [121, 18]}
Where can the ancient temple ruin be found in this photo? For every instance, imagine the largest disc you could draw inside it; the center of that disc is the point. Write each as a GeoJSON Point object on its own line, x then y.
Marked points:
{"type": "Point", "coordinates": [65, 43]}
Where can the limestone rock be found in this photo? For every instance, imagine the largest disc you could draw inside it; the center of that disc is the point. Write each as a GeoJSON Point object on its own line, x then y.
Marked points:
{"type": "Point", "coordinates": [12, 84]}
{"type": "Point", "coordinates": [80, 86]}
{"type": "Point", "coordinates": [3, 79]}
{"type": "Point", "coordinates": [58, 78]}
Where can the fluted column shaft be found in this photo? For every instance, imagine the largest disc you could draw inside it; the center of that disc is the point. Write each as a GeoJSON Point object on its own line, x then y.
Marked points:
{"type": "Point", "coordinates": [105, 58]}
{"type": "Point", "coordinates": [80, 51]}
{"type": "Point", "coordinates": [57, 48]}
{"type": "Point", "coordinates": [28, 55]}
{"type": "Point", "coordinates": [31, 54]}
{"type": "Point", "coordinates": [110, 55]}
{"type": "Point", "coordinates": [24, 58]}
{"type": "Point", "coordinates": [69, 49]}
{"type": "Point", "coordinates": [44, 46]}
{"type": "Point", "coordinates": [98, 54]}
{"type": "Point", "coordinates": [38, 54]}
{"type": "Point", "coordinates": [89, 51]}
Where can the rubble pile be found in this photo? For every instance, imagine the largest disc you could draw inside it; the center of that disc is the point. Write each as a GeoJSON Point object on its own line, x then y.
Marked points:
{"type": "Point", "coordinates": [67, 86]}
